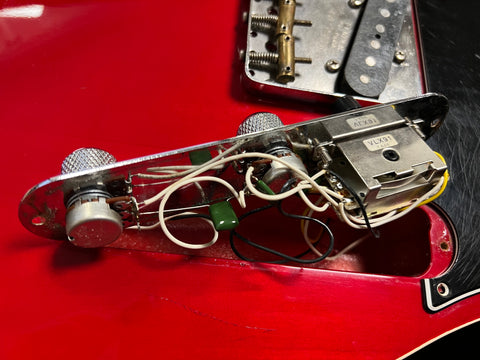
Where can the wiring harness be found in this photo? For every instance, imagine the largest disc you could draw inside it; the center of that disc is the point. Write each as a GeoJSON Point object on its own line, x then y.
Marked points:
{"type": "Point", "coordinates": [300, 185]}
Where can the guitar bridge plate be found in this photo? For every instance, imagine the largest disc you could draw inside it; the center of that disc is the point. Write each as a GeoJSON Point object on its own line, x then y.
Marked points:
{"type": "Point", "coordinates": [331, 43]}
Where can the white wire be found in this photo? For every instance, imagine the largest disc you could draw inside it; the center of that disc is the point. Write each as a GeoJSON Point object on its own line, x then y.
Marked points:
{"type": "Point", "coordinates": [307, 183]}
{"type": "Point", "coordinates": [169, 172]}
{"type": "Point", "coordinates": [347, 219]}
{"type": "Point", "coordinates": [349, 247]}
{"type": "Point", "coordinates": [314, 207]}
{"type": "Point", "coordinates": [207, 166]}
{"type": "Point", "coordinates": [164, 195]}
{"type": "Point", "coordinates": [359, 223]}
{"type": "Point", "coordinates": [330, 201]}
{"type": "Point", "coordinates": [157, 224]}
{"type": "Point", "coordinates": [189, 168]}
{"type": "Point", "coordinates": [307, 222]}
{"type": "Point", "coordinates": [326, 192]}
{"type": "Point", "coordinates": [305, 229]}
{"type": "Point", "coordinates": [171, 189]}
{"type": "Point", "coordinates": [318, 174]}
{"type": "Point", "coordinates": [268, 197]}
{"type": "Point", "coordinates": [371, 220]}
{"type": "Point", "coordinates": [188, 245]}
{"type": "Point", "coordinates": [309, 241]}
{"type": "Point", "coordinates": [390, 216]}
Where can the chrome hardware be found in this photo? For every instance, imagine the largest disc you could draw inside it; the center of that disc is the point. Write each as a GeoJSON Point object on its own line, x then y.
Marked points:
{"type": "Point", "coordinates": [378, 153]}
{"type": "Point", "coordinates": [365, 49]}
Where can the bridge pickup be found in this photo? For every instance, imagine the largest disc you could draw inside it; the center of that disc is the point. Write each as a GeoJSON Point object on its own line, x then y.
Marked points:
{"type": "Point", "coordinates": [373, 50]}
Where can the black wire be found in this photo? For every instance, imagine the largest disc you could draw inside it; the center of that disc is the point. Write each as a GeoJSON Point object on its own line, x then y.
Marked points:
{"type": "Point", "coordinates": [285, 257]}
{"type": "Point", "coordinates": [275, 252]}
{"type": "Point", "coordinates": [321, 223]}
{"type": "Point", "coordinates": [243, 257]}
{"type": "Point", "coordinates": [234, 249]}
{"type": "Point", "coordinates": [254, 211]}
{"type": "Point", "coordinates": [360, 203]}
{"type": "Point", "coordinates": [288, 184]}
{"type": "Point", "coordinates": [234, 233]}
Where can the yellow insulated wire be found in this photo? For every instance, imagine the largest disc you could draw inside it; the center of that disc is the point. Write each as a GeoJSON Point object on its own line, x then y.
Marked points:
{"type": "Point", "coordinates": [446, 177]}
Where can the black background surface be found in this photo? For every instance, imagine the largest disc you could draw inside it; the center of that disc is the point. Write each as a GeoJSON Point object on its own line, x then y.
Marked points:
{"type": "Point", "coordinates": [451, 46]}
{"type": "Point", "coordinates": [450, 32]}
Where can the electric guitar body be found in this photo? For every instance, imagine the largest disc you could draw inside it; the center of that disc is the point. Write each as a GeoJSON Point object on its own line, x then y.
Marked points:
{"type": "Point", "coordinates": [144, 77]}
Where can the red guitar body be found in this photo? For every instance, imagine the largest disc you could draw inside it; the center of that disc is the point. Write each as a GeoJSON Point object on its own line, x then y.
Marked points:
{"type": "Point", "coordinates": [141, 77]}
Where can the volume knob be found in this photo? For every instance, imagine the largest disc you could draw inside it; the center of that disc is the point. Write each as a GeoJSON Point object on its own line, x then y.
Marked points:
{"type": "Point", "coordinates": [85, 159]}
{"type": "Point", "coordinates": [90, 222]}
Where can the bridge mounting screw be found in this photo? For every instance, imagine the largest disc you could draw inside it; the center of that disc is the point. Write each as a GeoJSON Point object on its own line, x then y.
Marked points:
{"type": "Point", "coordinates": [332, 65]}
{"type": "Point", "coordinates": [355, 4]}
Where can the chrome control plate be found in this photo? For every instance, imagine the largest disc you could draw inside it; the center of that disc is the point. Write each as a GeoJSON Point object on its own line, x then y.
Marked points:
{"type": "Point", "coordinates": [379, 151]}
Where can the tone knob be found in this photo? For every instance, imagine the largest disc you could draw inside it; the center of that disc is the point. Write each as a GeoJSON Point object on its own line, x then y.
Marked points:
{"type": "Point", "coordinates": [273, 143]}
{"type": "Point", "coordinates": [90, 222]}
{"type": "Point", "coordinates": [257, 122]}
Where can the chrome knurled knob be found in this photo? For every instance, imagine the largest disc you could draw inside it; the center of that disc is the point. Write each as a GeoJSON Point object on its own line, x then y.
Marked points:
{"type": "Point", "coordinates": [90, 222]}
{"type": "Point", "coordinates": [86, 158]}
{"type": "Point", "coordinates": [257, 122]}
{"type": "Point", "coordinates": [275, 143]}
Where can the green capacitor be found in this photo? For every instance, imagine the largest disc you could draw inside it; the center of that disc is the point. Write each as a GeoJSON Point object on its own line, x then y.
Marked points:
{"type": "Point", "coordinates": [223, 216]}
{"type": "Point", "coordinates": [199, 157]}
